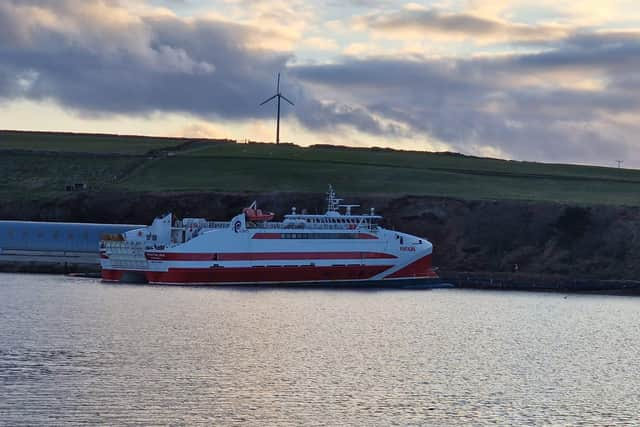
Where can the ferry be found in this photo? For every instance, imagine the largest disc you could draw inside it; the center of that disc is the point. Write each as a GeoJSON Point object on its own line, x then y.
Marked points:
{"type": "Point", "coordinates": [338, 248]}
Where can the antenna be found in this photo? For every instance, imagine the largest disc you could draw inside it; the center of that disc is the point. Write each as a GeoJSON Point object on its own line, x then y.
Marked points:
{"type": "Point", "coordinates": [619, 163]}
{"type": "Point", "coordinates": [332, 200]}
{"type": "Point", "coordinates": [279, 96]}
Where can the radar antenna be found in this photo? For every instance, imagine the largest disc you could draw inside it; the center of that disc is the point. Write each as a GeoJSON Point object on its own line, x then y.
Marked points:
{"type": "Point", "coordinates": [332, 201]}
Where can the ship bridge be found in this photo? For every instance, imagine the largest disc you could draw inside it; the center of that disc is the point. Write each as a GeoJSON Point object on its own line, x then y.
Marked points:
{"type": "Point", "coordinates": [334, 218]}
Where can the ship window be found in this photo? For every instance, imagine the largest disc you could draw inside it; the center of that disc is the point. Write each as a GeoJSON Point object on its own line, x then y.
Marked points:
{"type": "Point", "coordinates": [154, 238]}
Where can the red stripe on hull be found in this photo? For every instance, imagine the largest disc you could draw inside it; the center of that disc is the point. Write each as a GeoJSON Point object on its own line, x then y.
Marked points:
{"type": "Point", "coordinates": [269, 236]}
{"type": "Point", "coordinates": [263, 256]}
{"type": "Point", "coordinates": [278, 236]}
{"type": "Point", "coordinates": [251, 275]}
{"type": "Point", "coordinates": [366, 236]}
{"type": "Point", "coordinates": [111, 275]}
{"type": "Point", "coordinates": [419, 268]}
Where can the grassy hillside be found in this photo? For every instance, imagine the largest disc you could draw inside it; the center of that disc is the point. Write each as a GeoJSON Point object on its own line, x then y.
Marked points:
{"type": "Point", "coordinates": [115, 163]}
{"type": "Point", "coordinates": [83, 143]}
{"type": "Point", "coordinates": [25, 175]}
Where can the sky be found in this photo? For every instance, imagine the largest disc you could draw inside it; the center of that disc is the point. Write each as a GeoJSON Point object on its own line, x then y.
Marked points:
{"type": "Point", "coordinates": [544, 80]}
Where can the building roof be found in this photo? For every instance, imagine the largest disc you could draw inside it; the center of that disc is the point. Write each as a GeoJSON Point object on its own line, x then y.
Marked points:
{"type": "Point", "coordinates": [56, 236]}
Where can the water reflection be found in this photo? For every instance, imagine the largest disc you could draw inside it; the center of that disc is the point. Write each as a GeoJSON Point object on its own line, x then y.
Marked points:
{"type": "Point", "coordinates": [74, 350]}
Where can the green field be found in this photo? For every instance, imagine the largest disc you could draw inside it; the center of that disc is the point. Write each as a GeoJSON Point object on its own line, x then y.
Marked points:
{"type": "Point", "coordinates": [44, 176]}
{"type": "Point", "coordinates": [83, 143]}
{"type": "Point", "coordinates": [135, 164]}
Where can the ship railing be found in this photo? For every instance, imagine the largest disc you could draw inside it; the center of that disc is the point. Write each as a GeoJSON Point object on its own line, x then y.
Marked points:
{"type": "Point", "coordinates": [314, 226]}
{"type": "Point", "coordinates": [134, 250]}
{"type": "Point", "coordinates": [289, 225]}
{"type": "Point", "coordinates": [128, 256]}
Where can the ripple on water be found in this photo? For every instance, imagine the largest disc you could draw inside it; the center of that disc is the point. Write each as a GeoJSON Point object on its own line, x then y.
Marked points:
{"type": "Point", "coordinates": [78, 351]}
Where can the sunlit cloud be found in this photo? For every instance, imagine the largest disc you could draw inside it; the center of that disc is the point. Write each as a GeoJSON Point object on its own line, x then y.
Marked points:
{"type": "Point", "coordinates": [412, 22]}
{"type": "Point", "coordinates": [320, 43]}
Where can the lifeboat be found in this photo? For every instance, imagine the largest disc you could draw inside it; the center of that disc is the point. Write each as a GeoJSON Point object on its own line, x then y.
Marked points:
{"type": "Point", "coordinates": [252, 213]}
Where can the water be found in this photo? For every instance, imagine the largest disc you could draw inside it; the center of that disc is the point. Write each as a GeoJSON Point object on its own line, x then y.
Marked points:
{"type": "Point", "coordinates": [78, 351]}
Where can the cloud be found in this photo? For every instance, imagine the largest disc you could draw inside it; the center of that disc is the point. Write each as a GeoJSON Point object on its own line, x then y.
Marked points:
{"type": "Point", "coordinates": [480, 104]}
{"type": "Point", "coordinates": [573, 100]}
{"type": "Point", "coordinates": [320, 43]}
{"type": "Point", "coordinates": [99, 57]}
{"type": "Point", "coordinates": [414, 22]}
{"type": "Point", "coordinates": [200, 130]}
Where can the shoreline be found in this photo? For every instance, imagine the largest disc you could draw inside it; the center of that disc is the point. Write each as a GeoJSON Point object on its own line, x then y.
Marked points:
{"type": "Point", "coordinates": [540, 283]}
{"type": "Point", "coordinates": [492, 281]}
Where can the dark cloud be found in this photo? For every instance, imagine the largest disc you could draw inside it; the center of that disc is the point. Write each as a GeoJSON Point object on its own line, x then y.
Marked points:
{"type": "Point", "coordinates": [145, 64]}
{"type": "Point", "coordinates": [588, 51]}
{"type": "Point", "coordinates": [133, 64]}
{"type": "Point", "coordinates": [487, 102]}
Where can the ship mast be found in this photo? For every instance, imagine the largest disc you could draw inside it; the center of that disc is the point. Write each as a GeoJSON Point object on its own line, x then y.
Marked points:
{"type": "Point", "coordinates": [332, 201]}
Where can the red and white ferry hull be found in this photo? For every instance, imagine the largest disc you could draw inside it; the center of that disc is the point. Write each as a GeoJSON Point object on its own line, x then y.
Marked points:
{"type": "Point", "coordinates": [369, 264]}
{"type": "Point", "coordinates": [330, 249]}
{"type": "Point", "coordinates": [289, 274]}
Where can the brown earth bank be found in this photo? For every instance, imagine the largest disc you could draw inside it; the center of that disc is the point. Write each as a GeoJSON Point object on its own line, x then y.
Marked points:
{"type": "Point", "coordinates": [487, 244]}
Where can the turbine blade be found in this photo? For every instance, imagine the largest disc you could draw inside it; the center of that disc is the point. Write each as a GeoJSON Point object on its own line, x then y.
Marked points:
{"type": "Point", "coordinates": [265, 101]}
{"type": "Point", "coordinates": [278, 86]}
{"type": "Point", "coordinates": [285, 98]}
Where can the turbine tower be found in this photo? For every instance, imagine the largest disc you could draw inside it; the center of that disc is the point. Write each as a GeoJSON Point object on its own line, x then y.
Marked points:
{"type": "Point", "coordinates": [279, 96]}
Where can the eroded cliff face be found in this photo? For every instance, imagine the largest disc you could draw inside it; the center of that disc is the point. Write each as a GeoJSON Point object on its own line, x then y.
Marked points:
{"type": "Point", "coordinates": [600, 242]}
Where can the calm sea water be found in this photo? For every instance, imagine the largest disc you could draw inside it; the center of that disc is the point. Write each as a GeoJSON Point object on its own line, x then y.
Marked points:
{"type": "Point", "coordinates": [78, 351]}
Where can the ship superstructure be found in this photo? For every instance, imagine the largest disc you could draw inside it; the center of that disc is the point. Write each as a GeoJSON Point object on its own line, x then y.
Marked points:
{"type": "Point", "coordinates": [337, 247]}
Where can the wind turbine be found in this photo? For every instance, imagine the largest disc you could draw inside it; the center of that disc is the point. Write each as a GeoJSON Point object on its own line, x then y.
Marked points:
{"type": "Point", "coordinates": [279, 96]}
